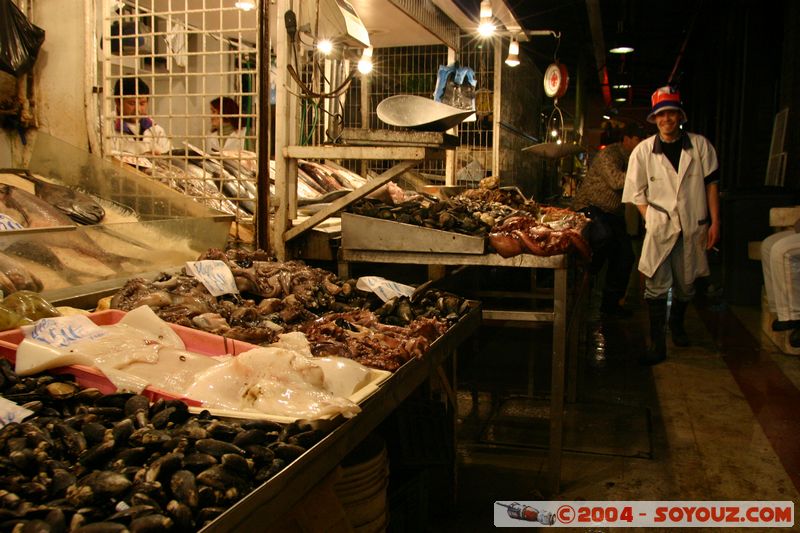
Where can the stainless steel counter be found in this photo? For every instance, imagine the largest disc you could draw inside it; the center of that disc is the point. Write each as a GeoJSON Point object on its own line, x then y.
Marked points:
{"type": "Point", "coordinates": [267, 503]}
{"type": "Point", "coordinates": [558, 317]}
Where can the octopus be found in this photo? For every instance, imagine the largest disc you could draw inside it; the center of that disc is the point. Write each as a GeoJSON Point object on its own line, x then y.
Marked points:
{"type": "Point", "coordinates": [554, 231]}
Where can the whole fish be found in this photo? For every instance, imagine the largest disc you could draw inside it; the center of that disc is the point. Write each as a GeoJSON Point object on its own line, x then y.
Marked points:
{"type": "Point", "coordinates": [78, 206]}
{"type": "Point", "coordinates": [30, 210]}
{"type": "Point", "coordinates": [18, 276]}
{"type": "Point", "coordinates": [33, 212]}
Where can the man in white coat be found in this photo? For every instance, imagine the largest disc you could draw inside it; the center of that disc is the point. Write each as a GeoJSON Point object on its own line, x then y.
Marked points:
{"type": "Point", "coordinates": [673, 180]}
{"type": "Point", "coordinates": [136, 136]}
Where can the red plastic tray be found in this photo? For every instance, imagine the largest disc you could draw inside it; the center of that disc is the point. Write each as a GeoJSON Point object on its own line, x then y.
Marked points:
{"type": "Point", "coordinates": [196, 341]}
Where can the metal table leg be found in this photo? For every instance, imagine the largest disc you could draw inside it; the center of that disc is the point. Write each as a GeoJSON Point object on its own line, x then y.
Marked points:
{"type": "Point", "coordinates": [557, 380]}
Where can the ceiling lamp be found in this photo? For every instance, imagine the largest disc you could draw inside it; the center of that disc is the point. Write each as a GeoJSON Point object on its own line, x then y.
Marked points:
{"type": "Point", "coordinates": [486, 27]}
{"type": "Point", "coordinates": [622, 42]}
{"type": "Point", "coordinates": [245, 5]}
{"type": "Point", "coordinates": [365, 63]}
{"type": "Point", "coordinates": [325, 46]}
{"type": "Point", "coordinates": [513, 52]}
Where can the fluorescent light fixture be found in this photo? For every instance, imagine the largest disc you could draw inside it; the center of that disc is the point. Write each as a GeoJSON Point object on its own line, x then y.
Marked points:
{"type": "Point", "coordinates": [365, 63]}
{"type": "Point", "coordinates": [245, 5]}
{"type": "Point", "coordinates": [325, 46]}
{"type": "Point", "coordinates": [621, 86]}
{"type": "Point", "coordinates": [607, 116]}
{"type": "Point", "coordinates": [621, 99]}
{"type": "Point", "coordinates": [486, 27]}
{"type": "Point", "coordinates": [513, 52]}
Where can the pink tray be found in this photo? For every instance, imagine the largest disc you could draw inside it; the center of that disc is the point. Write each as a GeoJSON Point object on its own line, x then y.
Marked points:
{"type": "Point", "coordinates": [195, 340]}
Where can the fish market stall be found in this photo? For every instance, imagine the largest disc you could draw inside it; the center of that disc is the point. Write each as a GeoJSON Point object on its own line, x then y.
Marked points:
{"type": "Point", "coordinates": [525, 236]}
{"type": "Point", "coordinates": [101, 225]}
{"type": "Point", "coordinates": [176, 452]}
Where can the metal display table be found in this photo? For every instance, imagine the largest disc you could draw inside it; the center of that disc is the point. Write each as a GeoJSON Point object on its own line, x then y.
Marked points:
{"type": "Point", "coordinates": [558, 317]}
{"type": "Point", "coordinates": [267, 503]}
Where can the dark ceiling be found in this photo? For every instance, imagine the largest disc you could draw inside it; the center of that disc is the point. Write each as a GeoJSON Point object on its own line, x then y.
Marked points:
{"type": "Point", "coordinates": [657, 31]}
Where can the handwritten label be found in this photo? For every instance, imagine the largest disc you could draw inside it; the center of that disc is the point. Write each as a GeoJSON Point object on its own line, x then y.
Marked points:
{"type": "Point", "coordinates": [215, 275]}
{"type": "Point", "coordinates": [7, 223]}
{"type": "Point", "coordinates": [11, 412]}
{"type": "Point", "coordinates": [65, 330]}
{"type": "Point", "coordinates": [383, 288]}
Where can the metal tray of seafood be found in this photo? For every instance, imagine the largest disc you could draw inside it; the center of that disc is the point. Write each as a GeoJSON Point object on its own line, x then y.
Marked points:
{"type": "Point", "coordinates": [369, 233]}
{"type": "Point", "coordinates": [263, 508]}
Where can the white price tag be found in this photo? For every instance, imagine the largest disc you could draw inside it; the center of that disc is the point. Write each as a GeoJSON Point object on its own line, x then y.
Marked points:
{"type": "Point", "coordinates": [383, 288]}
{"type": "Point", "coordinates": [215, 275]}
{"type": "Point", "coordinates": [11, 412]}
{"type": "Point", "coordinates": [62, 331]}
{"type": "Point", "coordinates": [7, 223]}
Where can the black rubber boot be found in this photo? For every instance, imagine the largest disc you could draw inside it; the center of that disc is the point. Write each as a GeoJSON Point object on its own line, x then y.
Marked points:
{"type": "Point", "coordinates": [676, 315]}
{"type": "Point", "coordinates": [657, 351]}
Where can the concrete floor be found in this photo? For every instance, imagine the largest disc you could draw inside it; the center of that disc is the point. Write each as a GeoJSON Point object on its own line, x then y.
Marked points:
{"type": "Point", "coordinates": [716, 421]}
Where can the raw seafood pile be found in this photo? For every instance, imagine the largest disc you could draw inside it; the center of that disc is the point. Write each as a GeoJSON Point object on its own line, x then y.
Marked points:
{"type": "Point", "coordinates": [278, 294]}
{"type": "Point", "coordinates": [119, 463]}
{"type": "Point", "coordinates": [360, 336]}
{"type": "Point", "coordinates": [554, 231]}
{"type": "Point", "coordinates": [141, 350]}
{"type": "Point", "coordinates": [473, 212]}
{"type": "Point", "coordinates": [280, 297]}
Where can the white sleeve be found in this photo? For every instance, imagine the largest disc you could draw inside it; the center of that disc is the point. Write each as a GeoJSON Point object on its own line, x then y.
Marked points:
{"type": "Point", "coordinates": [635, 190]}
{"type": "Point", "coordinates": [157, 139]}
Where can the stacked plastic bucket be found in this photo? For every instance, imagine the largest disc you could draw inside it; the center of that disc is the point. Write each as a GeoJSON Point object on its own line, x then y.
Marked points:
{"type": "Point", "coordinates": [361, 487]}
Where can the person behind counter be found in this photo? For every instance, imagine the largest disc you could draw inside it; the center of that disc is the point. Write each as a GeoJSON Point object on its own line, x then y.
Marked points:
{"type": "Point", "coordinates": [673, 180]}
{"type": "Point", "coordinates": [599, 196]}
{"type": "Point", "coordinates": [136, 134]}
{"type": "Point", "coordinates": [227, 133]}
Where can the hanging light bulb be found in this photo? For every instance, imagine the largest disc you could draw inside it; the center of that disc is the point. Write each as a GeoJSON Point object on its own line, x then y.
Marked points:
{"type": "Point", "coordinates": [486, 27]}
{"type": "Point", "coordinates": [554, 133]}
{"type": "Point", "coordinates": [325, 46]}
{"type": "Point", "coordinates": [245, 5]}
{"type": "Point", "coordinates": [513, 52]}
{"type": "Point", "coordinates": [621, 43]}
{"type": "Point", "coordinates": [365, 63]}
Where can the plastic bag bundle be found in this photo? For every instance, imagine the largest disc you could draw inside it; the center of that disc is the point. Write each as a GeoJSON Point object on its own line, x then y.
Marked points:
{"type": "Point", "coordinates": [19, 40]}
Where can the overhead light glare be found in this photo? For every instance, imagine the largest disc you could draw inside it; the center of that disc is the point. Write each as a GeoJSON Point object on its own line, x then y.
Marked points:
{"type": "Point", "coordinates": [486, 27]}
{"type": "Point", "coordinates": [621, 86]}
{"type": "Point", "coordinates": [245, 5]}
{"type": "Point", "coordinates": [621, 50]}
{"type": "Point", "coordinates": [513, 52]}
{"type": "Point", "coordinates": [621, 99]}
{"type": "Point", "coordinates": [325, 46]}
{"type": "Point", "coordinates": [365, 63]}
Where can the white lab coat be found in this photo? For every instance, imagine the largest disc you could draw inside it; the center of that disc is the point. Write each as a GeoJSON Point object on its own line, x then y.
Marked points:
{"type": "Point", "coordinates": [677, 202]}
{"type": "Point", "coordinates": [153, 141]}
{"type": "Point", "coordinates": [232, 143]}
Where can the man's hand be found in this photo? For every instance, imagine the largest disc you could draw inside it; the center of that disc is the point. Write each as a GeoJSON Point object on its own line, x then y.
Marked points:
{"type": "Point", "coordinates": [713, 235]}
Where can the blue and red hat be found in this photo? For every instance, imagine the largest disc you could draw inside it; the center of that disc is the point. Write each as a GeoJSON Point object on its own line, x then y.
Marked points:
{"type": "Point", "coordinates": [666, 98]}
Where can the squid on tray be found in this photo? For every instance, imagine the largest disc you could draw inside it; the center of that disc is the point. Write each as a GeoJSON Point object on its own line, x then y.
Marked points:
{"type": "Point", "coordinates": [554, 231]}
{"type": "Point", "coordinates": [141, 350]}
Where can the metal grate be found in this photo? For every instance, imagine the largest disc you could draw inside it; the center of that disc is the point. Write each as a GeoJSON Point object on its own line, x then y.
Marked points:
{"type": "Point", "coordinates": [413, 70]}
{"type": "Point", "coordinates": [474, 155]}
{"type": "Point", "coordinates": [401, 70]}
{"type": "Point", "coordinates": [185, 57]}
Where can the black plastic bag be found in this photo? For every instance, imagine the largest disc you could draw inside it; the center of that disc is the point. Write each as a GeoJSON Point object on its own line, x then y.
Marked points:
{"type": "Point", "coordinates": [19, 40]}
